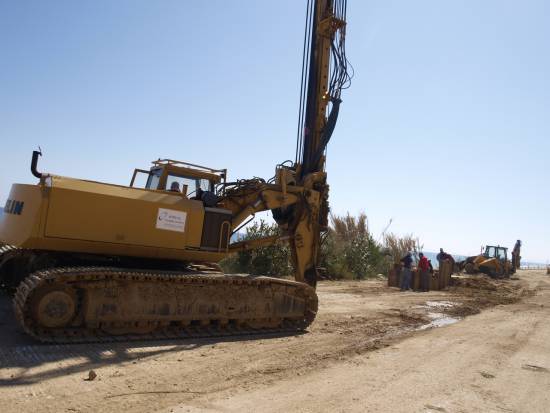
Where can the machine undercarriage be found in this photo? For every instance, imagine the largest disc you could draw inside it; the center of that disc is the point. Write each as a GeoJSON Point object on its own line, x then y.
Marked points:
{"type": "Point", "coordinates": [99, 303]}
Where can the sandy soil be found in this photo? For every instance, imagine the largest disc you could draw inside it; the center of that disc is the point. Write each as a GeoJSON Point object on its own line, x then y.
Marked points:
{"type": "Point", "coordinates": [372, 348]}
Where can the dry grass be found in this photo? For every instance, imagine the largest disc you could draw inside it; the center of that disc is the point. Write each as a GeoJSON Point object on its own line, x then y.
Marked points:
{"type": "Point", "coordinates": [398, 247]}
{"type": "Point", "coordinates": [348, 228]}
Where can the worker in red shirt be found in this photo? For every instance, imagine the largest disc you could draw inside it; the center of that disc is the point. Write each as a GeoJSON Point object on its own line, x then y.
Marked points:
{"type": "Point", "coordinates": [424, 269]}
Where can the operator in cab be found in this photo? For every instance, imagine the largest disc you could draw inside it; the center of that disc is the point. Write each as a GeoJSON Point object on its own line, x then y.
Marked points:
{"type": "Point", "coordinates": [175, 187]}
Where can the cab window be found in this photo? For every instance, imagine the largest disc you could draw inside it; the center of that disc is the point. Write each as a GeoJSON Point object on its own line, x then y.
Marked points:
{"type": "Point", "coordinates": [146, 179]}
{"type": "Point", "coordinates": [205, 185]}
{"type": "Point", "coordinates": [140, 178]}
{"type": "Point", "coordinates": [154, 178]}
{"type": "Point", "coordinates": [192, 184]}
{"type": "Point", "coordinates": [490, 252]}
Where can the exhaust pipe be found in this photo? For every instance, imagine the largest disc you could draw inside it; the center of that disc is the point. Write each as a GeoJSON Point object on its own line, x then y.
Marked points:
{"type": "Point", "coordinates": [34, 163]}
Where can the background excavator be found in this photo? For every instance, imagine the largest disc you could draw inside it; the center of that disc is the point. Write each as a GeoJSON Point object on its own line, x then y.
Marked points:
{"type": "Point", "coordinates": [493, 261]}
{"type": "Point", "coordinates": [91, 261]}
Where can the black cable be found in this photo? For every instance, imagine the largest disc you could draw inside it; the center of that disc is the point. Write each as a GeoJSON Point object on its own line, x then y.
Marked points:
{"type": "Point", "coordinates": [300, 111]}
{"type": "Point", "coordinates": [307, 56]}
{"type": "Point", "coordinates": [340, 75]}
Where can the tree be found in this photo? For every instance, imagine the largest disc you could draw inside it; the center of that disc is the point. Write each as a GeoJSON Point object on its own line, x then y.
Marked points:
{"type": "Point", "coordinates": [273, 260]}
{"type": "Point", "coordinates": [349, 249]}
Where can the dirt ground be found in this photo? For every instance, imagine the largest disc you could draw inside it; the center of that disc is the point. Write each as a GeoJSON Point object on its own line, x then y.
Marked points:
{"type": "Point", "coordinates": [371, 348]}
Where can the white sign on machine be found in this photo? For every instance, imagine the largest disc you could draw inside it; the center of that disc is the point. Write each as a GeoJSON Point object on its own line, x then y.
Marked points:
{"type": "Point", "coordinates": [171, 220]}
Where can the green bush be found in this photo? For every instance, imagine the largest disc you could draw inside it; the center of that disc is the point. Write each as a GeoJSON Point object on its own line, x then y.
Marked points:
{"type": "Point", "coordinates": [274, 260]}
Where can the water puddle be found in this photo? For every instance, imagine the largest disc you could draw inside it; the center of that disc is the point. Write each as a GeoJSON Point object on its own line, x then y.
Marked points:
{"type": "Point", "coordinates": [438, 319]}
{"type": "Point", "coordinates": [441, 304]}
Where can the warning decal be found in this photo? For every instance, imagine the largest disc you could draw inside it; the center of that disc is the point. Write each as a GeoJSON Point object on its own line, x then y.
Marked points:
{"type": "Point", "coordinates": [171, 220]}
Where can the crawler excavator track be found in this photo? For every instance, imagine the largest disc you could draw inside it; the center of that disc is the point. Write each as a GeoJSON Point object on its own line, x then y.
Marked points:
{"type": "Point", "coordinates": [97, 304]}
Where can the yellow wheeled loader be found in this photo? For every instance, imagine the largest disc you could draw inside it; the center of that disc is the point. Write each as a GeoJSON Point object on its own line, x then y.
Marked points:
{"type": "Point", "coordinates": [493, 261]}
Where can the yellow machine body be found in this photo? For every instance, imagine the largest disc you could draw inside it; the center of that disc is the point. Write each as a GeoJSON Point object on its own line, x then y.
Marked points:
{"type": "Point", "coordinates": [65, 214]}
{"type": "Point", "coordinates": [92, 261]}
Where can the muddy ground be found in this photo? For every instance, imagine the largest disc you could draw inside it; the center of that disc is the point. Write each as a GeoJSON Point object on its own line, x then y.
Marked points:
{"type": "Point", "coordinates": [371, 348]}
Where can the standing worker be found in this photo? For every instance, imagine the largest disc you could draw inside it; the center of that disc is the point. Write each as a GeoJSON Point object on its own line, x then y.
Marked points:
{"type": "Point", "coordinates": [424, 270]}
{"type": "Point", "coordinates": [442, 256]}
{"type": "Point", "coordinates": [516, 258]}
{"type": "Point", "coordinates": [406, 272]}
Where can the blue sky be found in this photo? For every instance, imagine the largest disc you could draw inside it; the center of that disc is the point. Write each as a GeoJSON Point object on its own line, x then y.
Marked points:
{"type": "Point", "coordinates": [445, 128]}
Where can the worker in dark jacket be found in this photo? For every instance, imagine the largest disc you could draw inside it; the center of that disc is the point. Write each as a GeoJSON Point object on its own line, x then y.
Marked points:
{"type": "Point", "coordinates": [442, 256]}
{"type": "Point", "coordinates": [516, 259]}
{"type": "Point", "coordinates": [406, 274]}
{"type": "Point", "coordinates": [424, 271]}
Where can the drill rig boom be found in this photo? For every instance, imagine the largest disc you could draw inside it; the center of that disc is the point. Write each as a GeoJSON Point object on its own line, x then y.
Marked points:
{"type": "Point", "coordinates": [299, 197]}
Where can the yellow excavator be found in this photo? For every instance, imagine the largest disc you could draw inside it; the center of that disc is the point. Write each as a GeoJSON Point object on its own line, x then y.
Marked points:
{"type": "Point", "coordinates": [493, 261]}
{"type": "Point", "coordinates": [90, 261]}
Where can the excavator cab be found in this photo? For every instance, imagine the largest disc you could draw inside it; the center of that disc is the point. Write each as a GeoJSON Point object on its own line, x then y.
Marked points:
{"type": "Point", "coordinates": [497, 252]}
{"type": "Point", "coordinates": [191, 180]}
